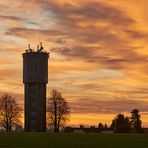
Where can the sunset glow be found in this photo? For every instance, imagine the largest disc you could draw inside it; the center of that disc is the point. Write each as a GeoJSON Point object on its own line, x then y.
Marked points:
{"type": "Point", "coordinates": [98, 53]}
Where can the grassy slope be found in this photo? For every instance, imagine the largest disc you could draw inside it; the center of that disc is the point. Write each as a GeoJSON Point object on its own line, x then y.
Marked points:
{"type": "Point", "coordinates": [42, 140]}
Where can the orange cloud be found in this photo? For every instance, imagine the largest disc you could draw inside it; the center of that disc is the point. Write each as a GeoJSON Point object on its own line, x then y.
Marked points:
{"type": "Point", "coordinates": [98, 52]}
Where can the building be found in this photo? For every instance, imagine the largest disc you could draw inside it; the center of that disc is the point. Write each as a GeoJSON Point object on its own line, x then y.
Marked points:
{"type": "Point", "coordinates": [35, 78]}
{"type": "Point", "coordinates": [91, 129]}
{"type": "Point", "coordinates": [82, 129]}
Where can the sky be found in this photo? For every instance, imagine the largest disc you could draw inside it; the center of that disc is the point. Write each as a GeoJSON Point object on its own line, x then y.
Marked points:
{"type": "Point", "coordinates": [98, 53]}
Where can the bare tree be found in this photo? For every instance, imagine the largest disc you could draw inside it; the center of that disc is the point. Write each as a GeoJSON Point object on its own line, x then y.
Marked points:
{"type": "Point", "coordinates": [10, 112]}
{"type": "Point", "coordinates": [58, 110]}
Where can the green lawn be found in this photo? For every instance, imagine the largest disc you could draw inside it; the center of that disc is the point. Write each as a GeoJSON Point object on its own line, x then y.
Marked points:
{"type": "Point", "coordinates": [46, 140]}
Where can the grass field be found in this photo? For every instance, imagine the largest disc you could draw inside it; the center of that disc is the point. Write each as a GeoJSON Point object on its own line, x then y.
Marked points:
{"type": "Point", "coordinates": [45, 140]}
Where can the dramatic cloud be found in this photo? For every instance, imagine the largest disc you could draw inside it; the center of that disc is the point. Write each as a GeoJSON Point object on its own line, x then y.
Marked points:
{"type": "Point", "coordinates": [107, 107]}
{"type": "Point", "coordinates": [26, 33]}
{"type": "Point", "coordinates": [98, 56]}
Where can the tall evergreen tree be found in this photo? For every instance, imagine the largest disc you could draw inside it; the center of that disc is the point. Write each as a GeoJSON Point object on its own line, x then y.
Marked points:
{"type": "Point", "coordinates": [136, 121]}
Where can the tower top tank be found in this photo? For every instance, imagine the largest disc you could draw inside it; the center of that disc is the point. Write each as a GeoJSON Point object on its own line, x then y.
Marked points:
{"type": "Point", "coordinates": [35, 66]}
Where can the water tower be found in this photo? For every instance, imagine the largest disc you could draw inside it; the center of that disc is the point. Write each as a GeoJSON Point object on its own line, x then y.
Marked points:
{"type": "Point", "coordinates": [35, 78]}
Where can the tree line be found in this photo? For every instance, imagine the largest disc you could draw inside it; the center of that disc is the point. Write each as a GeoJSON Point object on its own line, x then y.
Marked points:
{"type": "Point", "coordinates": [125, 124]}
{"type": "Point", "coordinates": [58, 111]}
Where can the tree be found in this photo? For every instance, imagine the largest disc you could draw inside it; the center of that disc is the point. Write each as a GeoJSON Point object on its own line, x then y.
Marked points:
{"type": "Point", "coordinates": [121, 124]}
{"type": "Point", "coordinates": [10, 112]}
{"type": "Point", "coordinates": [58, 111]}
{"type": "Point", "coordinates": [136, 121]}
{"type": "Point", "coordinates": [113, 125]}
{"type": "Point", "coordinates": [101, 127]}
{"type": "Point", "coordinates": [105, 126]}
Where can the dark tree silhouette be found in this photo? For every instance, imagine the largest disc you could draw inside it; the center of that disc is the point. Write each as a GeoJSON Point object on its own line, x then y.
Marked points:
{"type": "Point", "coordinates": [10, 112]}
{"type": "Point", "coordinates": [113, 124]}
{"type": "Point", "coordinates": [105, 126]}
{"type": "Point", "coordinates": [121, 124]}
{"type": "Point", "coordinates": [136, 121]}
{"type": "Point", "coordinates": [58, 111]}
{"type": "Point", "coordinates": [101, 127]}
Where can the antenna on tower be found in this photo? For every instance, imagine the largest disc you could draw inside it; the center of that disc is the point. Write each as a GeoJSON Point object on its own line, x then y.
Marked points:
{"type": "Point", "coordinates": [39, 34]}
{"type": "Point", "coordinates": [38, 48]}
{"type": "Point", "coordinates": [29, 49]}
{"type": "Point", "coordinates": [41, 44]}
{"type": "Point", "coordinates": [28, 46]}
